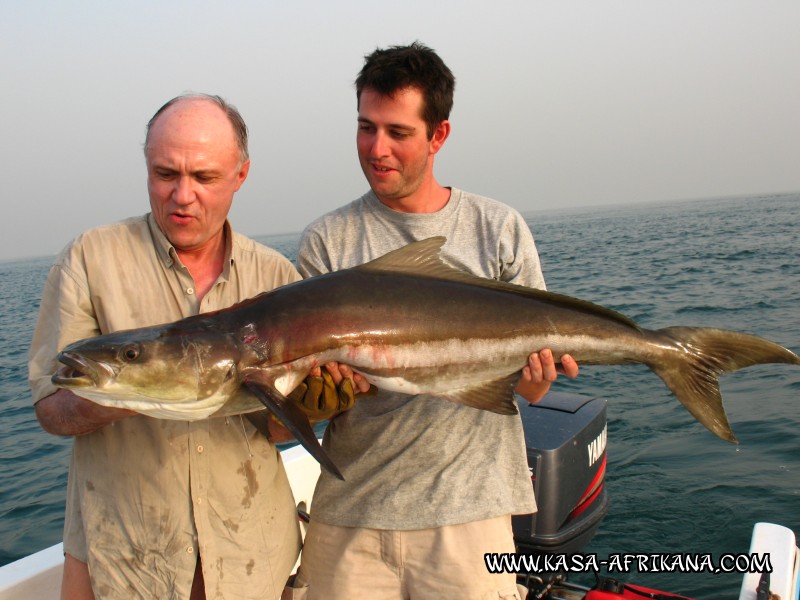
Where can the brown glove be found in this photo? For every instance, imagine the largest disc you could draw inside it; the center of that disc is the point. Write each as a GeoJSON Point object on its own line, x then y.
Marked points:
{"type": "Point", "coordinates": [321, 399]}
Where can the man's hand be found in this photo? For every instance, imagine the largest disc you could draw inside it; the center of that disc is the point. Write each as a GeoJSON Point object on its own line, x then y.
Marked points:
{"type": "Point", "coordinates": [541, 371]}
{"type": "Point", "coordinates": [326, 393]}
{"type": "Point", "coordinates": [64, 413]}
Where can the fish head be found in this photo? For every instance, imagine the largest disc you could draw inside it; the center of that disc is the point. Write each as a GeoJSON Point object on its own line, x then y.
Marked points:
{"type": "Point", "coordinates": [155, 371]}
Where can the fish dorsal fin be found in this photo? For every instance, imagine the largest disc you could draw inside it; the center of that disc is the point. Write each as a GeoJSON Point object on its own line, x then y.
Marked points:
{"type": "Point", "coordinates": [423, 259]}
{"type": "Point", "coordinates": [495, 396]}
{"type": "Point", "coordinates": [417, 258]}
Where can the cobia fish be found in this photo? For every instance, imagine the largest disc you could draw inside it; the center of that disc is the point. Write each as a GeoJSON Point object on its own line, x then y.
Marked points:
{"type": "Point", "coordinates": [408, 323]}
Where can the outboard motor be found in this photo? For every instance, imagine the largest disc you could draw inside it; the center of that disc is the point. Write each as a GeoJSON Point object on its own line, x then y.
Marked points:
{"type": "Point", "coordinates": [565, 436]}
{"type": "Point", "coordinates": [566, 439]}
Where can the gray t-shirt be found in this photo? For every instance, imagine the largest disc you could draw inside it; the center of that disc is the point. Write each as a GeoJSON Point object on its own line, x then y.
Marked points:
{"type": "Point", "coordinates": [415, 462]}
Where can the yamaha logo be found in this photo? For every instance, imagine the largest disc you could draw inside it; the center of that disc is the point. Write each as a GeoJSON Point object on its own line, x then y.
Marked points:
{"type": "Point", "coordinates": [597, 446]}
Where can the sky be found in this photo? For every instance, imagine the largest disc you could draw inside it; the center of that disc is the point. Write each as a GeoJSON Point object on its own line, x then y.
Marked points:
{"type": "Point", "coordinates": [559, 103]}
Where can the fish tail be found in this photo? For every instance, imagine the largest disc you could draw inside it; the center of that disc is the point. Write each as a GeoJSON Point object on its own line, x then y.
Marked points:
{"type": "Point", "coordinates": [697, 358]}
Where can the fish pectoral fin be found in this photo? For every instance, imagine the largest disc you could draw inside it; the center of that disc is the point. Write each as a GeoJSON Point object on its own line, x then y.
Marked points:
{"type": "Point", "coordinates": [296, 421]}
{"type": "Point", "coordinates": [283, 377]}
{"type": "Point", "coordinates": [496, 396]}
{"type": "Point", "coordinates": [241, 403]}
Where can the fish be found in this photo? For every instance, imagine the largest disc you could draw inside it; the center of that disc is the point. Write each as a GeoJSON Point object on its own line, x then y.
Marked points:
{"type": "Point", "coordinates": [408, 323]}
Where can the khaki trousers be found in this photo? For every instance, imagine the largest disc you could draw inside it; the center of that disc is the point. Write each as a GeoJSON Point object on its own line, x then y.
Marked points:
{"type": "Point", "coordinates": [349, 563]}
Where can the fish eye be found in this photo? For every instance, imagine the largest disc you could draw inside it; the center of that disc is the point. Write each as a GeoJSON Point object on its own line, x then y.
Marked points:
{"type": "Point", "coordinates": [130, 353]}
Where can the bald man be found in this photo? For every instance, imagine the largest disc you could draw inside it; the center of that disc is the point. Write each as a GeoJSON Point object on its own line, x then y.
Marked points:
{"type": "Point", "coordinates": [157, 508]}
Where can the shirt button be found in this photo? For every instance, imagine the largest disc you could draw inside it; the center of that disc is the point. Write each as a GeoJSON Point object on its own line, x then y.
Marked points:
{"type": "Point", "coordinates": [190, 291]}
{"type": "Point", "coordinates": [190, 550]}
{"type": "Point", "coordinates": [200, 448]}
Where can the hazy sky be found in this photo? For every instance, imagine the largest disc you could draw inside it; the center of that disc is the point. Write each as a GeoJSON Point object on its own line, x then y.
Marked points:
{"type": "Point", "coordinates": [558, 103]}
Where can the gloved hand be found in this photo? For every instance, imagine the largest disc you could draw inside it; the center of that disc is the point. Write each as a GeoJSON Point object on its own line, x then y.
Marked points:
{"type": "Point", "coordinates": [321, 399]}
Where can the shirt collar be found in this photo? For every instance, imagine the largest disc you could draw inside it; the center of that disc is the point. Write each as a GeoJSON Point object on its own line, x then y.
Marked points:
{"type": "Point", "coordinates": [169, 255]}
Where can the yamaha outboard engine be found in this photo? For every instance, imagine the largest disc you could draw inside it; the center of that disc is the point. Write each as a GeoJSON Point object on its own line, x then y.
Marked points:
{"type": "Point", "coordinates": [566, 439]}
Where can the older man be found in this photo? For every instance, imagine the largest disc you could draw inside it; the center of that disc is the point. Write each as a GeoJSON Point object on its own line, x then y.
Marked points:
{"type": "Point", "coordinates": [156, 508]}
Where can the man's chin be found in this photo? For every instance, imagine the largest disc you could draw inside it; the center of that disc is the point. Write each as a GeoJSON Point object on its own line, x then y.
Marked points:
{"type": "Point", "coordinates": [385, 191]}
{"type": "Point", "coordinates": [182, 238]}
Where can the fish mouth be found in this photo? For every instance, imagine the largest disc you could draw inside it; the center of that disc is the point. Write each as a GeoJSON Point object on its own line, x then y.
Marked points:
{"type": "Point", "coordinates": [81, 372]}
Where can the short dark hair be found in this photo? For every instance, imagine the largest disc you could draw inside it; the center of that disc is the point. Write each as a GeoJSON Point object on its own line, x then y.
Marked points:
{"type": "Point", "coordinates": [235, 118]}
{"type": "Point", "coordinates": [388, 70]}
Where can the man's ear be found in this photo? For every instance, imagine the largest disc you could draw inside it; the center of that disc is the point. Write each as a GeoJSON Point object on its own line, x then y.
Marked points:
{"type": "Point", "coordinates": [242, 174]}
{"type": "Point", "coordinates": [440, 135]}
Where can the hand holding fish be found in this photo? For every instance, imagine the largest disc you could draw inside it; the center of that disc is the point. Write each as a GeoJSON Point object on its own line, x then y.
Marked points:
{"type": "Point", "coordinates": [65, 413]}
{"type": "Point", "coordinates": [541, 371]}
{"type": "Point", "coordinates": [341, 371]}
{"type": "Point", "coordinates": [326, 393]}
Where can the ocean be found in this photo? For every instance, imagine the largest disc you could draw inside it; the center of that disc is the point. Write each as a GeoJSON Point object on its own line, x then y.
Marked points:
{"type": "Point", "coordinates": [732, 263]}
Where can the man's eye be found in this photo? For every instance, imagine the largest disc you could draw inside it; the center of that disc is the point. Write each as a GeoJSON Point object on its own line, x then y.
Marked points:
{"type": "Point", "coordinates": [205, 177]}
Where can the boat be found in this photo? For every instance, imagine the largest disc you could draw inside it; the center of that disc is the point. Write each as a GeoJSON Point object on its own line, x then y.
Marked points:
{"type": "Point", "coordinates": [566, 437]}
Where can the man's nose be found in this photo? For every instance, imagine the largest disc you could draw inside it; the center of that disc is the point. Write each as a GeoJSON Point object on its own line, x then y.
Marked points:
{"type": "Point", "coordinates": [183, 192]}
{"type": "Point", "coordinates": [380, 145]}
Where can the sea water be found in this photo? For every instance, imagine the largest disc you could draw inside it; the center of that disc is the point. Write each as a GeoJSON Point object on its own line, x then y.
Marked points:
{"type": "Point", "coordinates": [732, 263]}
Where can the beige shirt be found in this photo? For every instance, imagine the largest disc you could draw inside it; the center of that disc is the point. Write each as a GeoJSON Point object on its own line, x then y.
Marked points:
{"type": "Point", "coordinates": [145, 495]}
